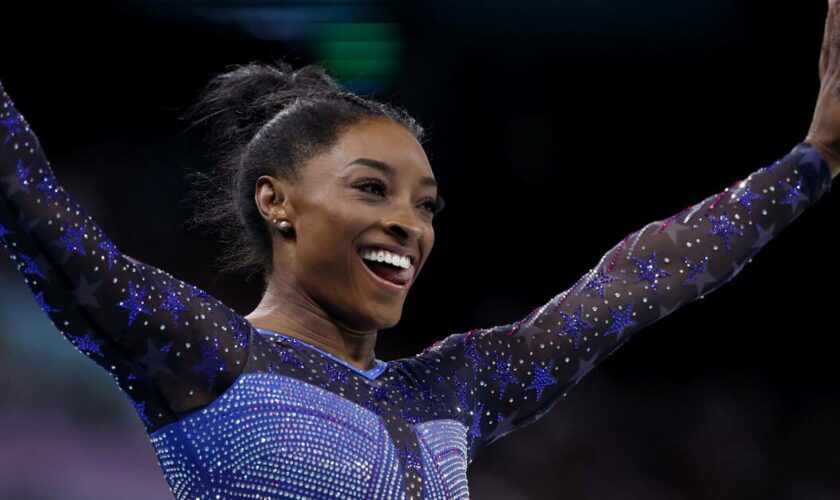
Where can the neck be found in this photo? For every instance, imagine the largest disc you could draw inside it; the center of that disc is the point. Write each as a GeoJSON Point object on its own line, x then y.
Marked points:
{"type": "Point", "coordinates": [283, 309]}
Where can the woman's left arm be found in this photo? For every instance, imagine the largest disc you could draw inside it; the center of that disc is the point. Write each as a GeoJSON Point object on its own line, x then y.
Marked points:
{"type": "Point", "coordinates": [501, 378]}
{"type": "Point", "coordinates": [504, 377]}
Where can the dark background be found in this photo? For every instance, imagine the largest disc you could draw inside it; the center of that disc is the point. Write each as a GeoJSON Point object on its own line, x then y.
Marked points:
{"type": "Point", "coordinates": [555, 129]}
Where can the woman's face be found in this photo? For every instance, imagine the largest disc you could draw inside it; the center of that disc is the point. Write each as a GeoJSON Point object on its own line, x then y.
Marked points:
{"type": "Point", "coordinates": [342, 204]}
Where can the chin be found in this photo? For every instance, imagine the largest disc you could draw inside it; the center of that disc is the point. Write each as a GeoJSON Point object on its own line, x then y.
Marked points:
{"type": "Point", "coordinates": [388, 320]}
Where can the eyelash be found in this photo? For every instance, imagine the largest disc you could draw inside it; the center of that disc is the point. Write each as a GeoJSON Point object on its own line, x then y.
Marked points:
{"type": "Point", "coordinates": [374, 182]}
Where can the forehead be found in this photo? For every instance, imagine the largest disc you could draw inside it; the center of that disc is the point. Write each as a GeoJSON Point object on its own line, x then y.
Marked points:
{"type": "Point", "coordinates": [380, 139]}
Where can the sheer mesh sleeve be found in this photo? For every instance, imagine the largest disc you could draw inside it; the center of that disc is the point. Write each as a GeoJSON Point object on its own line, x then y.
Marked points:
{"type": "Point", "coordinates": [505, 377]}
{"type": "Point", "coordinates": [169, 345]}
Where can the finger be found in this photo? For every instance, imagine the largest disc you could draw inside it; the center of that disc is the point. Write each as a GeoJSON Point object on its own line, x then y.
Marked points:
{"type": "Point", "coordinates": [826, 42]}
{"type": "Point", "coordinates": [833, 49]}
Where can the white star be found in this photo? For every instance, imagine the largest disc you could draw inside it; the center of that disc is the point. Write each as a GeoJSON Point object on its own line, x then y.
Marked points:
{"type": "Point", "coordinates": [85, 291]}
{"type": "Point", "coordinates": [764, 236]}
{"type": "Point", "coordinates": [584, 367]}
{"type": "Point", "coordinates": [504, 426]}
{"type": "Point", "coordinates": [673, 230]}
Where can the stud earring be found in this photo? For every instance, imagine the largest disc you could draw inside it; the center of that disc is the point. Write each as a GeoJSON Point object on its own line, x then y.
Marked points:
{"type": "Point", "coordinates": [285, 227]}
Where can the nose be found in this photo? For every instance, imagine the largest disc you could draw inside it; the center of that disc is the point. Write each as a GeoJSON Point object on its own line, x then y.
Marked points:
{"type": "Point", "coordinates": [404, 232]}
{"type": "Point", "coordinates": [405, 226]}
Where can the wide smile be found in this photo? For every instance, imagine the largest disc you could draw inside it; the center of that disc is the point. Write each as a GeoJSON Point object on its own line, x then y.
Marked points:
{"type": "Point", "coordinates": [385, 283]}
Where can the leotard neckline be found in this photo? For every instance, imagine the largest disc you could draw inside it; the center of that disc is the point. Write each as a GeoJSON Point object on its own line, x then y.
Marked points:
{"type": "Point", "coordinates": [378, 365]}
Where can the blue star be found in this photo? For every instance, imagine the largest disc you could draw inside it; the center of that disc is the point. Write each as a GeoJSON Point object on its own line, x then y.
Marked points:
{"type": "Point", "coordinates": [404, 389]}
{"type": "Point", "coordinates": [171, 302]}
{"type": "Point", "coordinates": [723, 227]}
{"type": "Point", "coordinates": [336, 373]}
{"type": "Point", "coordinates": [598, 282]}
{"type": "Point", "coordinates": [109, 248]}
{"type": "Point", "coordinates": [460, 390]}
{"type": "Point", "coordinates": [503, 373]}
{"type": "Point", "coordinates": [39, 298]}
{"type": "Point", "coordinates": [241, 329]}
{"type": "Point", "coordinates": [200, 294]}
{"type": "Point", "coordinates": [619, 319]}
{"type": "Point", "coordinates": [49, 188]}
{"type": "Point", "coordinates": [380, 393]}
{"type": "Point", "coordinates": [471, 351]}
{"type": "Point", "coordinates": [22, 172]}
{"type": "Point", "coordinates": [700, 267]}
{"type": "Point", "coordinates": [747, 197]}
{"type": "Point", "coordinates": [86, 344]}
{"type": "Point", "coordinates": [792, 192]}
{"type": "Point", "coordinates": [30, 267]}
{"type": "Point", "coordinates": [475, 425]}
{"type": "Point", "coordinates": [3, 233]}
{"type": "Point", "coordinates": [210, 364]}
{"type": "Point", "coordinates": [542, 378]}
{"type": "Point", "coordinates": [287, 357]}
{"type": "Point", "coordinates": [574, 324]}
{"type": "Point", "coordinates": [13, 124]}
{"type": "Point", "coordinates": [134, 303]}
{"type": "Point", "coordinates": [71, 240]}
{"type": "Point", "coordinates": [649, 271]}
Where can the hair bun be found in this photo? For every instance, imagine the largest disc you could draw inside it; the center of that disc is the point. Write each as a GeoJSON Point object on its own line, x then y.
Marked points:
{"type": "Point", "coordinates": [241, 100]}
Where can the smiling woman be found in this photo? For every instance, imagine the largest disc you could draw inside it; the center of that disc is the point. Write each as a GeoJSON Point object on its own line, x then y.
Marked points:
{"type": "Point", "coordinates": [332, 197]}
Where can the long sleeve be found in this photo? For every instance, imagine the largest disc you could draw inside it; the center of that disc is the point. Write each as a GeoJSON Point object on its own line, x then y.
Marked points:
{"type": "Point", "coordinates": [169, 345]}
{"type": "Point", "coordinates": [505, 377]}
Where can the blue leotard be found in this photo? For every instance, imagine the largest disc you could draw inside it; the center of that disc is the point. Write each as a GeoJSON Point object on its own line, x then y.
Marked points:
{"type": "Point", "coordinates": [237, 412]}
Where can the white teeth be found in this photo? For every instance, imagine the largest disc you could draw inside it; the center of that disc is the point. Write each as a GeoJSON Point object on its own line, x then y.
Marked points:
{"type": "Point", "coordinates": [386, 256]}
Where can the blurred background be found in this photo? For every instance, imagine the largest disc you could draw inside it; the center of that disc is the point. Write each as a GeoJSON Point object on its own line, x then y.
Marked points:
{"type": "Point", "coordinates": [555, 129]}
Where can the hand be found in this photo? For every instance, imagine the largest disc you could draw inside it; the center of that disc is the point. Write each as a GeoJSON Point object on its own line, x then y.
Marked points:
{"type": "Point", "coordinates": [824, 133]}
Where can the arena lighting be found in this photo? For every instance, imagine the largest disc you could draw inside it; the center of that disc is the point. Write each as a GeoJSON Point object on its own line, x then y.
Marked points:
{"type": "Point", "coordinates": [359, 42]}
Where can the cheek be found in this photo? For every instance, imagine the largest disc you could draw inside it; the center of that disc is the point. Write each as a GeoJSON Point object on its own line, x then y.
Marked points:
{"type": "Point", "coordinates": [328, 238]}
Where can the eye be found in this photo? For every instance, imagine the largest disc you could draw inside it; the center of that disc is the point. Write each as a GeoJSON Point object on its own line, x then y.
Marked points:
{"type": "Point", "coordinates": [432, 207]}
{"type": "Point", "coordinates": [436, 206]}
{"type": "Point", "coordinates": [372, 183]}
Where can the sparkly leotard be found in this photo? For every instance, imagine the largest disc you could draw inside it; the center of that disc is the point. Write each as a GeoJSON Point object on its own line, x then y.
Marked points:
{"type": "Point", "coordinates": [237, 412]}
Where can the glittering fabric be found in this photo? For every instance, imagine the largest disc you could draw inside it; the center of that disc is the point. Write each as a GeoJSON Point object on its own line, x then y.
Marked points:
{"type": "Point", "coordinates": [237, 412]}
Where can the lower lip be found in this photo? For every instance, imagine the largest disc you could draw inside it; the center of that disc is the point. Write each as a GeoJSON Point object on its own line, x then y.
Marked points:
{"type": "Point", "coordinates": [388, 285]}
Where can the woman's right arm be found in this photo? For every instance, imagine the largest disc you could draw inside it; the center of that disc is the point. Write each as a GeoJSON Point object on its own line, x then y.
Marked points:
{"type": "Point", "coordinates": [170, 346]}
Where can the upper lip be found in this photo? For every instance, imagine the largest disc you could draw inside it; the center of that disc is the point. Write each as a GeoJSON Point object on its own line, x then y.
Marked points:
{"type": "Point", "coordinates": [402, 251]}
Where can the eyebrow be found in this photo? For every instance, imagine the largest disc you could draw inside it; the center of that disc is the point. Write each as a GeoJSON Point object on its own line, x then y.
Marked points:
{"type": "Point", "coordinates": [388, 169]}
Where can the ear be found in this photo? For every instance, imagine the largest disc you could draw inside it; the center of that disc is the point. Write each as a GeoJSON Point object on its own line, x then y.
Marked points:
{"type": "Point", "coordinates": [271, 197]}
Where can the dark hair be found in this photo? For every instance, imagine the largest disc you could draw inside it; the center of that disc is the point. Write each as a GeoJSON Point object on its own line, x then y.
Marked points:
{"type": "Point", "coordinates": [267, 120]}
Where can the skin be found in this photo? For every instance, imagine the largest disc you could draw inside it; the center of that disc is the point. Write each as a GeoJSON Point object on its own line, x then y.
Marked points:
{"type": "Point", "coordinates": [320, 291]}
{"type": "Point", "coordinates": [824, 133]}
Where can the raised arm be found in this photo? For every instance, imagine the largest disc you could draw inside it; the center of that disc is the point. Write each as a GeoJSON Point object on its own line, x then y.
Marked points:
{"type": "Point", "coordinates": [170, 346]}
{"type": "Point", "coordinates": [505, 377]}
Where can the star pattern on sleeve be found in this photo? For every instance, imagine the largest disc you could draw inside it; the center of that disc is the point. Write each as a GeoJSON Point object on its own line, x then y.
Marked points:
{"type": "Point", "coordinates": [542, 377]}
